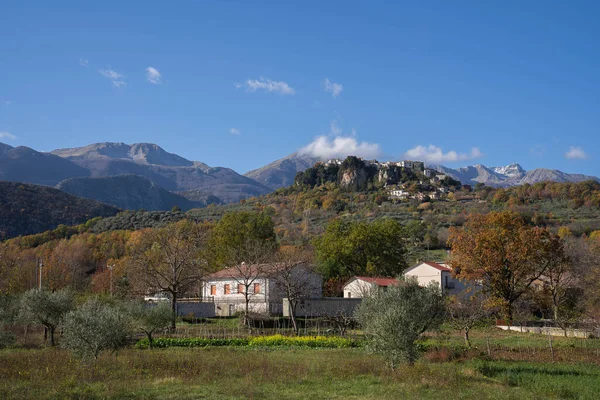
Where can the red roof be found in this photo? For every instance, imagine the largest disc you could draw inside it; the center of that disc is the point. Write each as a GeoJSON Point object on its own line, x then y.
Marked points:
{"type": "Point", "coordinates": [379, 281]}
{"type": "Point", "coordinates": [437, 266]}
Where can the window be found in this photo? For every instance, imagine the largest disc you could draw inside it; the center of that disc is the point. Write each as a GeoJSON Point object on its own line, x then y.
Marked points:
{"type": "Point", "coordinates": [227, 289]}
{"type": "Point", "coordinates": [240, 288]}
{"type": "Point", "coordinates": [213, 290]}
{"type": "Point", "coordinates": [349, 295]}
{"type": "Point", "coordinates": [257, 288]}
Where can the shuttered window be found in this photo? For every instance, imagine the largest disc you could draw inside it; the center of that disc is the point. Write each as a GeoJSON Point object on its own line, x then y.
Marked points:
{"type": "Point", "coordinates": [213, 290]}
{"type": "Point", "coordinates": [227, 288]}
{"type": "Point", "coordinates": [257, 288]}
{"type": "Point", "coordinates": [240, 288]}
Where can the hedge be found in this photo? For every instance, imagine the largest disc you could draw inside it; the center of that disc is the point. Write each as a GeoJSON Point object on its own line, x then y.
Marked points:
{"type": "Point", "coordinates": [258, 341]}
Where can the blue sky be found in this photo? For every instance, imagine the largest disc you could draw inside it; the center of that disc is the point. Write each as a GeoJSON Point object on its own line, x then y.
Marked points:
{"type": "Point", "coordinates": [240, 84]}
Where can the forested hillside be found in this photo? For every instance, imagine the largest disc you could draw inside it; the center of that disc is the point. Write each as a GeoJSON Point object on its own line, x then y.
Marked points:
{"type": "Point", "coordinates": [27, 209]}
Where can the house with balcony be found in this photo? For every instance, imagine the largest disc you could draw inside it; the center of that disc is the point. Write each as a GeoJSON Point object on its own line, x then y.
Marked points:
{"type": "Point", "coordinates": [263, 285]}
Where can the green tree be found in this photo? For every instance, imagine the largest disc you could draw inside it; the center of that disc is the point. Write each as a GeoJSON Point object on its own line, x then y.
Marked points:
{"type": "Point", "coordinates": [234, 238]}
{"type": "Point", "coordinates": [149, 318]}
{"type": "Point", "coordinates": [393, 320]}
{"type": "Point", "coordinates": [350, 248]}
{"type": "Point", "coordinates": [94, 327]}
{"type": "Point", "coordinates": [46, 308]}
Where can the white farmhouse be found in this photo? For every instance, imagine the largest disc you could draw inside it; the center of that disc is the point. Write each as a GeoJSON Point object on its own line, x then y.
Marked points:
{"type": "Point", "coordinates": [264, 285]}
{"type": "Point", "coordinates": [363, 286]}
{"type": "Point", "coordinates": [439, 273]}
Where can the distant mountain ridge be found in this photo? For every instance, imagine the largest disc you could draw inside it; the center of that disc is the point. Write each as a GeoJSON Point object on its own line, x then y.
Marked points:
{"type": "Point", "coordinates": [510, 175]}
{"type": "Point", "coordinates": [281, 173]}
{"type": "Point", "coordinates": [170, 171]}
{"type": "Point", "coordinates": [140, 153]}
{"type": "Point", "coordinates": [23, 164]}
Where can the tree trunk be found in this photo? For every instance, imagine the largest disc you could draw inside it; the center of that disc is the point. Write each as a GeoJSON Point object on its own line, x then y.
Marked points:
{"type": "Point", "coordinates": [467, 340]}
{"type": "Point", "coordinates": [293, 316]}
{"type": "Point", "coordinates": [51, 329]}
{"type": "Point", "coordinates": [173, 310]}
{"type": "Point", "coordinates": [149, 334]}
{"type": "Point", "coordinates": [246, 309]}
{"type": "Point", "coordinates": [509, 314]}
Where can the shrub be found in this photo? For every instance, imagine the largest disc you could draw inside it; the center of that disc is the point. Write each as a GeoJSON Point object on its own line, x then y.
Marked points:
{"type": "Point", "coordinates": [395, 319]}
{"type": "Point", "coordinates": [95, 327]}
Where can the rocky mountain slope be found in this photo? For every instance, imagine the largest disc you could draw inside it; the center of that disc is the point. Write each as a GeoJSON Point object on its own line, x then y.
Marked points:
{"type": "Point", "coordinates": [129, 192]}
{"type": "Point", "coordinates": [170, 171]}
{"type": "Point", "coordinates": [281, 173]}
{"type": "Point", "coordinates": [26, 209]}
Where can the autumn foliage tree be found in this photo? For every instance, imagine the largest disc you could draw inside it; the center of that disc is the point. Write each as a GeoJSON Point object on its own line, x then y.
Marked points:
{"type": "Point", "coordinates": [503, 253]}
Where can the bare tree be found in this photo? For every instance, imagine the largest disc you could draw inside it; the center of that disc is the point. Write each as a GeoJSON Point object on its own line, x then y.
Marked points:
{"type": "Point", "coordinates": [172, 259]}
{"type": "Point", "coordinates": [563, 282]}
{"type": "Point", "coordinates": [251, 262]}
{"type": "Point", "coordinates": [340, 320]}
{"type": "Point", "coordinates": [296, 278]}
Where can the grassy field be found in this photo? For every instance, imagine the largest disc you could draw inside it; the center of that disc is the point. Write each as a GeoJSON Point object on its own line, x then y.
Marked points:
{"type": "Point", "coordinates": [237, 373]}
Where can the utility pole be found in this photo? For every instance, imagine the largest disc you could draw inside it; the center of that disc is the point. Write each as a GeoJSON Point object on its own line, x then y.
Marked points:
{"type": "Point", "coordinates": [40, 267]}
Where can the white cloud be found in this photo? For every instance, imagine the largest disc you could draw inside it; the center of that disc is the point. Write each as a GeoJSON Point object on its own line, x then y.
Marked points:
{"type": "Point", "coordinates": [334, 88]}
{"type": "Point", "coordinates": [576, 153]}
{"type": "Point", "coordinates": [335, 145]}
{"type": "Point", "coordinates": [153, 75]}
{"type": "Point", "coordinates": [434, 154]}
{"type": "Point", "coordinates": [114, 76]}
{"type": "Point", "coordinates": [235, 131]}
{"type": "Point", "coordinates": [7, 135]}
{"type": "Point", "coordinates": [84, 62]}
{"type": "Point", "coordinates": [252, 85]}
{"type": "Point", "coordinates": [111, 74]}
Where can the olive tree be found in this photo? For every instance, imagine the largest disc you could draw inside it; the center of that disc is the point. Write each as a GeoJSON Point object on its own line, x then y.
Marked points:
{"type": "Point", "coordinates": [93, 327]}
{"type": "Point", "coordinates": [394, 319]}
{"type": "Point", "coordinates": [46, 308]}
{"type": "Point", "coordinates": [149, 318]}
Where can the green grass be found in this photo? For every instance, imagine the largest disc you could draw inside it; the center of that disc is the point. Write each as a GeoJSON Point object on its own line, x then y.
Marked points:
{"type": "Point", "coordinates": [497, 337]}
{"type": "Point", "coordinates": [284, 373]}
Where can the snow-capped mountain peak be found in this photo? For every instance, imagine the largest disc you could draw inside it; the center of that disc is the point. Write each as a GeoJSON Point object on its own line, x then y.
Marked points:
{"type": "Point", "coordinates": [512, 170]}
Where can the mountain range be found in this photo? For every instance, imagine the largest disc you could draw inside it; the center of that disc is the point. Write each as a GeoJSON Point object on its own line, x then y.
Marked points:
{"type": "Point", "coordinates": [143, 175]}
{"type": "Point", "coordinates": [510, 175]}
